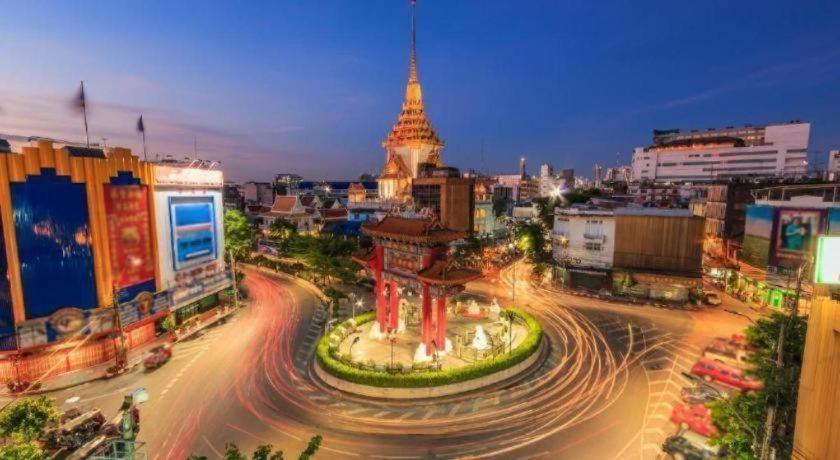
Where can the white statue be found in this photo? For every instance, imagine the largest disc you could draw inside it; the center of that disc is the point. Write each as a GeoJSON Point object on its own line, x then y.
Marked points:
{"type": "Point", "coordinates": [374, 332]}
{"type": "Point", "coordinates": [479, 342]}
{"type": "Point", "coordinates": [420, 355]}
{"type": "Point", "coordinates": [473, 309]}
{"type": "Point", "coordinates": [495, 310]}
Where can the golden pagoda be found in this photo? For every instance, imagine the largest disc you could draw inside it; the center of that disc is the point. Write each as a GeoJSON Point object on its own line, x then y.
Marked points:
{"type": "Point", "coordinates": [412, 141]}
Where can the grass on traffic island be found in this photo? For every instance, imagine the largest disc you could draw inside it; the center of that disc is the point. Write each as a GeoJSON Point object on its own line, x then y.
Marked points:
{"type": "Point", "coordinates": [340, 366]}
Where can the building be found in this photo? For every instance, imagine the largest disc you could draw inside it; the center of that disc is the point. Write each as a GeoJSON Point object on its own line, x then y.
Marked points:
{"type": "Point", "coordinates": [834, 165]}
{"type": "Point", "coordinates": [97, 248]}
{"type": "Point", "coordinates": [726, 217]}
{"type": "Point", "coordinates": [287, 184]}
{"type": "Point", "coordinates": [261, 193]}
{"type": "Point", "coordinates": [762, 151]}
{"type": "Point", "coordinates": [485, 223]}
{"type": "Point", "coordinates": [583, 244]}
{"type": "Point", "coordinates": [356, 193]}
{"type": "Point", "coordinates": [551, 184]}
{"type": "Point", "coordinates": [633, 251]}
{"type": "Point", "coordinates": [233, 197]}
{"type": "Point", "coordinates": [412, 141]}
{"type": "Point", "coordinates": [780, 234]}
{"type": "Point", "coordinates": [291, 209]}
{"type": "Point", "coordinates": [448, 195]}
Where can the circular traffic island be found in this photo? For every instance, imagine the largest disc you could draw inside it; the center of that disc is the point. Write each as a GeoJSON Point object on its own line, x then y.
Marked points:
{"type": "Point", "coordinates": [483, 346]}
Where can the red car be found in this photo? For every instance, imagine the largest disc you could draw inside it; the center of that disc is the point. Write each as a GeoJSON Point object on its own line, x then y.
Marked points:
{"type": "Point", "coordinates": [710, 370]}
{"type": "Point", "coordinates": [697, 418]}
{"type": "Point", "coordinates": [157, 357]}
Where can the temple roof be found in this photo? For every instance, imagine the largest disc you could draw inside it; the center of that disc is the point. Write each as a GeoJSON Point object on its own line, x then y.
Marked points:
{"type": "Point", "coordinates": [447, 273]}
{"type": "Point", "coordinates": [411, 230]}
{"type": "Point", "coordinates": [395, 168]}
{"type": "Point", "coordinates": [412, 124]}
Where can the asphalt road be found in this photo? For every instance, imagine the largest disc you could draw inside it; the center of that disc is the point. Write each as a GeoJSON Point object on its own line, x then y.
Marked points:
{"type": "Point", "coordinates": [601, 392]}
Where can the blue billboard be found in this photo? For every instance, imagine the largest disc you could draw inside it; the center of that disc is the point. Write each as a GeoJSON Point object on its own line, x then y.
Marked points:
{"type": "Point", "coordinates": [54, 246]}
{"type": "Point", "coordinates": [193, 221]}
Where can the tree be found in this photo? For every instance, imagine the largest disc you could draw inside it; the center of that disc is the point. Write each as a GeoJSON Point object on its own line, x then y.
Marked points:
{"type": "Point", "coordinates": [367, 177]}
{"type": "Point", "coordinates": [533, 242]}
{"type": "Point", "coordinates": [326, 255]}
{"type": "Point", "coordinates": [744, 417]}
{"type": "Point", "coordinates": [26, 418]}
{"type": "Point", "coordinates": [239, 234]}
{"type": "Point", "coordinates": [282, 231]}
{"type": "Point", "coordinates": [545, 210]}
{"type": "Point", "coordinates": [312, 447]}
{"type": "Point", "coordinates": [23, 450]}
{"type": "Point", "coordinates": [499, 206]}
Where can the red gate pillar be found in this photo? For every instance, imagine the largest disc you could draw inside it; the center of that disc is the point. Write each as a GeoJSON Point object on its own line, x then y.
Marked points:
{"type": "Point", "coordinates": [441, 322]}
{"type": "Point", "coordinates": [393, 320]}
{"type": "Point", "coordinates": [381, 307]}
{"type": "Point", "coordinates": [426, 319]}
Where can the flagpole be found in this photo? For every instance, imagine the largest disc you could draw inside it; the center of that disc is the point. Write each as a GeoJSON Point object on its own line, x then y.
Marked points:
{"type": "Point", "coordinates": [144, 144]}
{"type": "Point", "coordinates": [84, 112]}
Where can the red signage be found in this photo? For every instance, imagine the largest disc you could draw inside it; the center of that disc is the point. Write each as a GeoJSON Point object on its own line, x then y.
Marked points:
{"type": "Point", "coordinates": [127, 211]}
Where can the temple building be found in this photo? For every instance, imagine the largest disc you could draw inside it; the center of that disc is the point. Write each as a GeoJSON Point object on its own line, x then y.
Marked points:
{"type": "Point", "coordinates": [412, 142]}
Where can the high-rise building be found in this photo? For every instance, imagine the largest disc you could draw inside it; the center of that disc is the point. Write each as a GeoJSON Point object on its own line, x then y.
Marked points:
{"type": "Point", "coordinates": [755, 151]}
{"type": "Point", "coordinates": [412, 141]}
{"type": "Point", "coordinates": [447, 194]}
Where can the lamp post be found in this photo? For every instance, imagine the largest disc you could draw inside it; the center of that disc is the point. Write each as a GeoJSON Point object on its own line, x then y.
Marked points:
{"type": "Point", "coordinates": [393, 340]}
{"type": "Point", "coordinates": [510, 316]}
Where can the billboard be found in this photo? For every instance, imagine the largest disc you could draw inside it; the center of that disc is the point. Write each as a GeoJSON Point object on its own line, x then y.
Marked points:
{"type": "Point", "coordinates": [129, 234]}
{"type": "Point", "coordinates": [54, 244]}
{"type": "Point", "coordinates": [193, 221]}
{"type": "Point", "coordinates": [828, 262]}
{"type": "Point", "coordinates": [796, 232]}
{"type": "Point", "coordinates": [757, 234]}
{"type": "Point", "coordinates": [63, 324]}
{"type": "Point", "coordinates": [833, 227]}
{"type": "Point", "coordinates": [144, 305]}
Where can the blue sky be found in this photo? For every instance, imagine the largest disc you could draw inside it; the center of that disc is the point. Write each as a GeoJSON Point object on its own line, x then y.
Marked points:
{"type": "Point", "coordinates": [314, 86]}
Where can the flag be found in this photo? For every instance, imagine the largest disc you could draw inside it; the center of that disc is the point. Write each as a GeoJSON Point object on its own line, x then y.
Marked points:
{"type": "Point", "coordinates": [79, 102]}
{"type": "Point", "coordinates": [141, 128]}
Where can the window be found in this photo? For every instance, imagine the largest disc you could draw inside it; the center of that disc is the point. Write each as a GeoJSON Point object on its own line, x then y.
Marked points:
{"type": "Point", "coordinates": [592, 246]}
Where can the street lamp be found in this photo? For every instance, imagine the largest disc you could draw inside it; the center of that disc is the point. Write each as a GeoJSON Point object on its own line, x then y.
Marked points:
{"type": "Point", "coordinates": [510, 316]}
{"type": "Point", "coordinates": [393, 340]}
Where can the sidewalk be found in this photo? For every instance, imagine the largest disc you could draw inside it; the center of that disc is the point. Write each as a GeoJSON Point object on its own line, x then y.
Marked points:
{"type": "Point", "coordinates": [135, 358]}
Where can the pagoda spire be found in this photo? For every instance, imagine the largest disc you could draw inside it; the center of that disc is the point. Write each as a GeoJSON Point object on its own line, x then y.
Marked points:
{"type": "Point", "coordinates": [412, 66]}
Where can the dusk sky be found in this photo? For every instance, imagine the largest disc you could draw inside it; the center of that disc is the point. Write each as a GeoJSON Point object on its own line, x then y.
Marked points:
{"type": "Point", "coordinates": [313, 87]}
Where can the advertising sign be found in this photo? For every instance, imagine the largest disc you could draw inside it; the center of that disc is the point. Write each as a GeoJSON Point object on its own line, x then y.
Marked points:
{"type": "Point", "coordinates": [192, 284]}
{"type": "Point", "coordinates": [145, 305]}
{"type": "Point", "coordinates": [796, 232]}
{"type": "Point", "coordinates": [193, 221]}
{"type": "Point", "coordinates": [833, 222]}
{"type": "Point", "coordinates": [127, 213]}
{"type": "Point", "coordinates": [187, 177]}
{"type": "Point", "coordinates": [828, 260]}
{"type": "Point", "coordinates": [54, 244]}
{"type": "Point", "coordinates": [759, 228]}
{"type": "Point", "coordinates": [7, 320]}
{"type": "Point", "coordinates": [65, 323]}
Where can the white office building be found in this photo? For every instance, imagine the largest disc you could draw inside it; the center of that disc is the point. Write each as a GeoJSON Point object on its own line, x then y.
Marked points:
{"type": "Point", "coordinates": [834, 165]}
{"type": "Point", "coordinates": [697, 156]}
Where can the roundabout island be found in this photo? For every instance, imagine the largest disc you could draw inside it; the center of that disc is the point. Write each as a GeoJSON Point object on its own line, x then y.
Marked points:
{"type": "Point", "coordinates": [416, 344]}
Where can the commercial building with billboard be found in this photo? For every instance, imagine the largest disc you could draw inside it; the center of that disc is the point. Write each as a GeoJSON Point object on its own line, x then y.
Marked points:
{"type": "Point", "coordinates": [781, 236]}
{"type": "Point", "coordinates": [84, 229]}
{"type": "Point", "coordinates": [189, 207]}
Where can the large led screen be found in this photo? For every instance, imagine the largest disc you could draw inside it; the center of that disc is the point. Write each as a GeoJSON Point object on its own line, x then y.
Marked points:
{"type": "Point", "coordinates": [796, 233]}
{"type": "Point", "coordinates": [193, 222]}
{"type": "Point", "coordinates": [54, 246]}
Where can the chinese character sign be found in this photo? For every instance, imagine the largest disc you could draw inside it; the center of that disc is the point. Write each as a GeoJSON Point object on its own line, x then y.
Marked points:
{"type": "Point", "coordinates": [127, 210]}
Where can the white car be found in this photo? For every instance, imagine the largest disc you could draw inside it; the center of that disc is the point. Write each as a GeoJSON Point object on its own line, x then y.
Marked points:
{"type": "Point", "coordinates": [713, 299]}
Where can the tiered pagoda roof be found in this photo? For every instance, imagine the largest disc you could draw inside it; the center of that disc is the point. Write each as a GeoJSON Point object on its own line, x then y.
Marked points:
{"type": "Point", "coordinates": [412, 125]}
{"type": "Point", "coordinates": [447, 273]}
{"type": "Point", "coordinates": [428, 231]}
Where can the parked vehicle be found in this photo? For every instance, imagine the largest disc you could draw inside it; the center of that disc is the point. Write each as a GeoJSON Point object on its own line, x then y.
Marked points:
{"type": "Point", "coordinates": [729, 355]}
{"type": "Point", "coordinates": [696, 417]}
{"type": "Point", "coordinates": [691, 446]}
{"type": "Point", "coordinates": [157, 357]}
{"type": "Point", "coordinates": [74, 428]}
{"type": "Point", "coordinates": [700, 394]}
{"type": "Point", "coordinates": [711, 370]}
{"type": "Point", "coordinates": [712, 299]}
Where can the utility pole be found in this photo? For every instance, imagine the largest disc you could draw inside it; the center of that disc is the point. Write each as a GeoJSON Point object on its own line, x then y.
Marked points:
{"type": "Point", "coordinates": [235, 285]}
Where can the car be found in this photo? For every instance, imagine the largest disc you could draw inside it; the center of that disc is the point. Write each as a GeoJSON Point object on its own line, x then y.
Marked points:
{"type": "Point", "coordinates": [157, 356]}
{"type": "Point", "coordinates": [729, 355]}
{"type": "Point", "coordinates": [710, 370]}
{"type": "Point", "coordinates": [712, 299]}
{"type": "Point", "coordinates": [700, 394]}
{"type": "Point", "coordinates": [691, 446]}
{"type": "Point", "coordinates": [695, 417]}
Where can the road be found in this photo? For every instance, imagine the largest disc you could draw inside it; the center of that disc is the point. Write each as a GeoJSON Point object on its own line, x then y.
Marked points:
{"type": "Point", "coordinates": [596, 395]}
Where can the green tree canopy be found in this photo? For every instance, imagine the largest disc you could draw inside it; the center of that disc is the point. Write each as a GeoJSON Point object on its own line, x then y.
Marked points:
{"type": "Point", "coordinates": [326, 255]}
{"type": "Point", "coordinates": [239, 234]}
{"type": "Point", "coordinates": [742, 418]}
{"type": "Point", "coordinates": [499, 206]}
{"type": "Point", "coordinates": [22, 450]}
{"type": "Point", "coordinates": [26, 418]}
